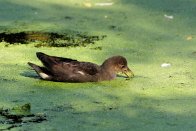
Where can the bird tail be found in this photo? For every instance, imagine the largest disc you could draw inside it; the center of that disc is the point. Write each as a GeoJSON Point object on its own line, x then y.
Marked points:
{"type": "Point", "coordinates": [41, 71]}
{"type": "Point", "coordinates": [47, 60]}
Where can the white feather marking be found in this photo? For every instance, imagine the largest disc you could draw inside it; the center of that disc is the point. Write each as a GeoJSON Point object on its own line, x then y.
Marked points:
{"type": "Point", "coordinates": [44, 76]}
{"type": "Point", "coordinates": [80, 72]}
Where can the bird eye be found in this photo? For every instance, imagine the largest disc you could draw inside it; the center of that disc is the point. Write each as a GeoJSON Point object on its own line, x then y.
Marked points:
{"type": "Point", "coordinates": [122, 66]}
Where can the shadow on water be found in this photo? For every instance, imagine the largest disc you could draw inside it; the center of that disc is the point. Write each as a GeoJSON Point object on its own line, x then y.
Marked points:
{"type": "Point", "coordinates": [179, 7]}
{"type": "Point", "coordinates": [30, 74]}
{"type": "Point", "coordinates": [78, 18]}
{"type": "Point", "coordinates": [108, 109]}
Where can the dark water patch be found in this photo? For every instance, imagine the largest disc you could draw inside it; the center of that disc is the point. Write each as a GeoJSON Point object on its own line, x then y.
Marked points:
{"type": "Point", "coordinates": [19, 115]}
{"type": "Point", "coordinates": [194, 53]}
{"type": "Point", "coordinates": [60, 108]}
{"type": "Point", "coordinates": [17, 101]}
{"type": "Point", "coordinates": [97, 48]}
{"type": "Point", "coordinates": [97, 102]}
{"type": "Point", "coordinates": [110, 107]}
{"type": "Point", "coordinates": [115, 28]}
{"type": "Point", "coordinates": [50, 39]}
{"type": "Point", "coordinates": [68, 17]}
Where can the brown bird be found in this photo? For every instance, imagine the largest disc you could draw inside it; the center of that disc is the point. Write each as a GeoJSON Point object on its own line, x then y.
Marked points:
{"type": "Point", "coordinates": [69, 70]}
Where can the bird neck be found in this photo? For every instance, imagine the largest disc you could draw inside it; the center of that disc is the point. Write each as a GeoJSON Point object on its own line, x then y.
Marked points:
{"type": "Point", "coordinates": [107, 72]}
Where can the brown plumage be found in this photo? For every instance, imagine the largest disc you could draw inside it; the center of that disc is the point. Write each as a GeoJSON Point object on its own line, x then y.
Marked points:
{"type": "Point", "coordinates": [69, 70]}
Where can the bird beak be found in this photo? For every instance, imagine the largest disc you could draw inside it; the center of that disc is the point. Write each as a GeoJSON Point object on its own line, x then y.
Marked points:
{"type": "Point", "coordinates": [128, 73]}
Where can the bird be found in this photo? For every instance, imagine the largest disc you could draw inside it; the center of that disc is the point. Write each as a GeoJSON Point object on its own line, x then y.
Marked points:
{"type": "Point", "coordinates": [62, 69]}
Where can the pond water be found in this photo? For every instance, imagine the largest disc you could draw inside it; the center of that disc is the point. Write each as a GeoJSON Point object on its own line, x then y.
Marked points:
{"type": "Point", "coordinates": [156, 98]}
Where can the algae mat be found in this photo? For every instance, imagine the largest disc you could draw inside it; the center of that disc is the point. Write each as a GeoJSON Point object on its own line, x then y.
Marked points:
{"type": "Point", "coordinates": [158, 39]}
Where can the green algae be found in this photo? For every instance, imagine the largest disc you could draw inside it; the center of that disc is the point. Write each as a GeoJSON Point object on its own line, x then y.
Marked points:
{"type": "Point", "coordinates": [155, 99]}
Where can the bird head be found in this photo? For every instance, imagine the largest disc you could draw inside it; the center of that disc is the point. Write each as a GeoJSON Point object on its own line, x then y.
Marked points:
{"type": "Point", "coordinates": [118, 64]}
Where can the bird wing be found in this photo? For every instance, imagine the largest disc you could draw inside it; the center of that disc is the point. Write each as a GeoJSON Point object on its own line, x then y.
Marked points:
{"type": "Point", "coordinates": [50, 61]}
{"type": "Point", "coordinates": [76, 66]}
{"type": "Point", "coordinates": [82, 67]}
{"type": "Point", "coordinates": [61, 59]}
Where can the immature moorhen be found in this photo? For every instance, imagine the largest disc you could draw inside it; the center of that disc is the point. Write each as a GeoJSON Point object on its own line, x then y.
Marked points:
{"type": "Point", "coordinates": [69, 70]}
